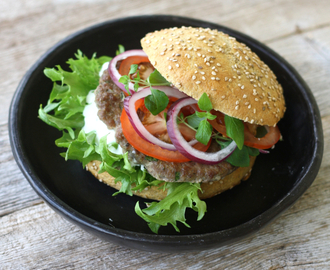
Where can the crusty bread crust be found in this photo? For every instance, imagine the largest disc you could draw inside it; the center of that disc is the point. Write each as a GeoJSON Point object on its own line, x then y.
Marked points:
{"type": "Point", "coordinates": [157, 193]}
{"type": "Point", "coordinates": [198, 60]}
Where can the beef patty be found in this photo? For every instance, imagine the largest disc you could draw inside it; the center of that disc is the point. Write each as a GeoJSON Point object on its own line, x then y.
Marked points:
{"type": "Point", "coordinates": [109, 99]}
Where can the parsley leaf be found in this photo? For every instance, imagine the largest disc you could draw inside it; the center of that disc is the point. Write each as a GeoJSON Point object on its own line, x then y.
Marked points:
{"type": "Point", "coordinates": [194, 120]}
{"type": "Point", "coordinates": [239, 158]}
{"type": "Point", "coordinates": [156, 102]}
{"type": "Point", "coordinates": [155, 78]}
{"type": "Point", "coordinates": [204, 103]}
{"type": "Point", "coordinates": [235, 130]}
{"type": "Point", "coordinates": [204, 132]}
{"type": "Point", "coordinates": [120, 50]}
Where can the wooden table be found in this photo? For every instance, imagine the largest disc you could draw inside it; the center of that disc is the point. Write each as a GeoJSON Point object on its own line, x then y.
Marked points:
{"type": "Point", "coordinates": [32, 236]}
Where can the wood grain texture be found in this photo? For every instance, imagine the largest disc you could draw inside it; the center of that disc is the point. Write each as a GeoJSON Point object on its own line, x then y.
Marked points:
{"type": "Point", "coordinates": [32, 236]}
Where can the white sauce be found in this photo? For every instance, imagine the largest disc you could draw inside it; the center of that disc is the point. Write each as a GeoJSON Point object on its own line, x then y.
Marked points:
{"type": "Point", "coordinates": [104, 67]}
{"type": "Point", "coordinates": [93, 123]}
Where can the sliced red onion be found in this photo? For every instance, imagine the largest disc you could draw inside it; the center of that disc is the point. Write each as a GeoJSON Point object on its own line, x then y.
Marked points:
{"type": "Point", "coordinates": [183, 146]}
{"type": "Point", "coordinates": [263, 151]}
{"type": "Point", "coordinates": [129, 105]}
{"type": "Point", "coordinates": [113, 72]}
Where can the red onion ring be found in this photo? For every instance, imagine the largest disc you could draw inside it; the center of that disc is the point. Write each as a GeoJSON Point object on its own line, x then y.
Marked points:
{"type": "Point", "coordinates": [129, 106]}
{"type": "Point", "coordinates": [183, 146]}
{"type": "Point", "coordinates": [115, 75]}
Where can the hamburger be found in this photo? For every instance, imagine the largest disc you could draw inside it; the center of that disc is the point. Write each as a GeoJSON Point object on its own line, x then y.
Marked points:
{"type": "Point", "coordinates": [184, 114]}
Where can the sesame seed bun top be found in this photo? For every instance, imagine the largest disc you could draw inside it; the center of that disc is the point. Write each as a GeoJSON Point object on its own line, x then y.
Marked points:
{"type": "Point", "coordinates": [198, 60]}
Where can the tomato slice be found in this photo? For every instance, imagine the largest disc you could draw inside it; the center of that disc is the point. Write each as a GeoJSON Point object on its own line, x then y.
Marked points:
{"type": "Point", "coordinates": [271, 138]}
{"type": "Point", "coordinates": [219, 122]}
{"type": "Point", "coordinates": [144, 66]}
{"type": "Point", "coordinates": [150, 149]}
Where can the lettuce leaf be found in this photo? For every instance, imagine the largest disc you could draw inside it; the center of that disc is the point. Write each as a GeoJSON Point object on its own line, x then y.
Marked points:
{"type": "Point", "coordinates": [64, 111]}
{"type": "Point", "coordinates": [180, 196]}
{"type": "Point", "coordinates": [68, 96]}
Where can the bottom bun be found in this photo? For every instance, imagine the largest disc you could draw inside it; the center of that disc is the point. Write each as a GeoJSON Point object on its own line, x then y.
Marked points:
{"type": "Point", "coordinates": [209, 189]}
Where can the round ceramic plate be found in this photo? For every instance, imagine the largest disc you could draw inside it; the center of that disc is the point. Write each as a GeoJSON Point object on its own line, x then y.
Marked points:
{"type": "Point", "coordinates": [277, 181]}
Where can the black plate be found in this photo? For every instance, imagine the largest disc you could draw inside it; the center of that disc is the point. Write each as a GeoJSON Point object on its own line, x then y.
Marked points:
{"type": "Point", "coordinates": [277, 181]}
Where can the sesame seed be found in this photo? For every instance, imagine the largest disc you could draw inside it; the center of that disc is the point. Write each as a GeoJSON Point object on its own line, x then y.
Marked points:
{"type": "Point", "coordinates": [218, 79]}
{"type": "Point", "coordinates": [169, 67]}
{"type": "Point", "coordinates": [177, 65]}
{"type": "Point", "coordinates": [198, 82]}
{"type": "Point", "coordinates": [212, 78]}
{"type": "Point", "coordinates": [193, 77]}
{"type": "Point", "coordinates": [236, 108]}
{"type": "Point", "coordinates": [244, 96]}
{"type": "Point", "coordinates": [214, 73]}
{"type": "Point", "coordinates": [203, 78]}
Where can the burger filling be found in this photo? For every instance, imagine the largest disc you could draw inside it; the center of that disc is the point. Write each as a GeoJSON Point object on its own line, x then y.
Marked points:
{"type": "Point", "coordinates": [108, 98]}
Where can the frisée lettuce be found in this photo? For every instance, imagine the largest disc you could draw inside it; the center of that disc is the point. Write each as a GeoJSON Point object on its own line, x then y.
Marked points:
{"type": "Point", "coordinates": [64, 111]}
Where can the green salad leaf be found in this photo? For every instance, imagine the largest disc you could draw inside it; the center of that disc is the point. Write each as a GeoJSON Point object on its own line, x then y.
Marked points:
{"type": "Point", "coordinates": [64, 111]}
{"type": "Point", "coordinates": [180, 196]}
{"type": "Point", "coordinates": [68, 97]}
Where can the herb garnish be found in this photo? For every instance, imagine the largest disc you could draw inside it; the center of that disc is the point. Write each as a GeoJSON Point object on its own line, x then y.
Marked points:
{"type": "Point", "coordinates": [157, 101]}
{"type": "Point", "coordinates": [235, 130]}
{"type": "Point", "coordinates": [155, 78]}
